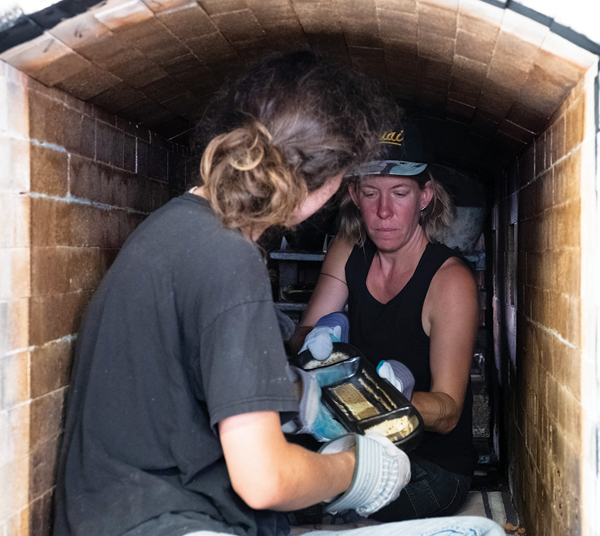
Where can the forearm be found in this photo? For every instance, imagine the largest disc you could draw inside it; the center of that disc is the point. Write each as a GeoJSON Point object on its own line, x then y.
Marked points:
{"type": "Point", "coordinates": [440, 411]}
{"type": "Point", "coordinates": [310, 478]}
{"type": "Point", "coordinates": [269, 473]}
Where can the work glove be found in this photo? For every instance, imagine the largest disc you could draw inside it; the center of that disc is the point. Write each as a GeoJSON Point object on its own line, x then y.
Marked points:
{"type": "Point", "coordinates": [398, 375]}
{"type": "Point", "coordinates": [381, 471]}
{"type": "Point", "coordinates": [313, 418]}
{"type": "Point", "coordinates": [330, 328]}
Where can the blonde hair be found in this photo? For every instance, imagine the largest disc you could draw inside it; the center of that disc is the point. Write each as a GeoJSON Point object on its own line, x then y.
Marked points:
{"type": "Point", "coordinates": [247, 180]}
{"type": "Point", "coordinates": [435, 218]}
{"type": "Point", "coordinates": [439, 214]}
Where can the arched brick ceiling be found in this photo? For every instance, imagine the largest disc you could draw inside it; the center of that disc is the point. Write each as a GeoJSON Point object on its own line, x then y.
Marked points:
{"type": "Point", "coordinates": [481, 80]}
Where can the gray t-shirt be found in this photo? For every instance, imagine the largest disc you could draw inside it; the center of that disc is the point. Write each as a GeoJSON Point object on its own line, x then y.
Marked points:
{"type": "Point", "coordinates": [180, 335]}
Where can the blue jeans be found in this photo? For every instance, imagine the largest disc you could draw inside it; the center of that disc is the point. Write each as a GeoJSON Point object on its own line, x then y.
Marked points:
{"type": "Point", "coordinates": [431, 492]}
{"type": "Point", "coordinates": [442, 526]}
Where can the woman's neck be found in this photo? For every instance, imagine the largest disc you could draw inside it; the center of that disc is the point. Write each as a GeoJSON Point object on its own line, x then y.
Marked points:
{"type": "Point", "coordinates": [403, 259]}
{"type": "Point", "coordinates": [391, 271]}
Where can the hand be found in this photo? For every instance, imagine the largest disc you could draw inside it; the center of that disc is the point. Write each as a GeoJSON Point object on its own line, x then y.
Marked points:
{"type": "Point", "coordinates": [320, 342]}
{"type": "Point", "coordinates": [398, 375]}
{"type": "Point", "coordinates": [403, 465]}
{"type": "Point", "coordinates": [381, 472]}
{"type": "Point", "coordinates": [314, 418]}
{"type": "Point", "coordinates": [329, 329]}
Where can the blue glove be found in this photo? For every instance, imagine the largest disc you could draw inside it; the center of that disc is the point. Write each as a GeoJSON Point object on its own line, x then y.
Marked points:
{"type": "Point", "coordinates": [330, 328]}
{"type": "Point", "coordinates": [398, 375]}
{"type": "Point", "coordinates": [313, 418]}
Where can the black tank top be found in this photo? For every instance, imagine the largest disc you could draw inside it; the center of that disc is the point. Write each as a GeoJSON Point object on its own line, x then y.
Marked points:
{"type": "Point", "coordinates": [395, 331]}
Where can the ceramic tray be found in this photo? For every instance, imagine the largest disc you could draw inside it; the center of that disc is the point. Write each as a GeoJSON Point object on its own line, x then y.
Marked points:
{"type": "Point", "coordinates": [361, 400]}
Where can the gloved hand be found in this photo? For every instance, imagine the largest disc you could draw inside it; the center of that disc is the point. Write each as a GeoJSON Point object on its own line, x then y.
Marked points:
{"type": "Point", "coordinates": [330, 328]}
{"type": "Point", "coordinates": [381, 471]}
{"type": "Point", "coordinates": [398, 375]}
{"type": "Point", "coordinates": [314, 418]}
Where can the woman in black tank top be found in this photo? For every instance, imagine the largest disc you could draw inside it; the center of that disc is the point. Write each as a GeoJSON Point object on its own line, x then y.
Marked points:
{"type": "Point", "coordinates": [411, 300]}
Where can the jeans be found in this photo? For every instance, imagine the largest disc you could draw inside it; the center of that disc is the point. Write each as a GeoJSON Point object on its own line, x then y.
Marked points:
{"type": "Point", "coordinates": [442, 526]}
{"type": "Point", "coordinates": [431, 492]}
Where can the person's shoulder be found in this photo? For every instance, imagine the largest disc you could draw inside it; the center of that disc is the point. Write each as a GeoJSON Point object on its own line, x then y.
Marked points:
{"type": "Point", "coordinates": [338, 252]}
{"type": "Point", "coordinates": [456, 265]}
{"type": "Point", "coordinates": [453, 292]}
{"type": "Point", "coordinates": [227, 268]}
{"type": "Point", "coordinates": [340, 247]}
{"type": "Point", "coordinates": [450, 259]}
{"type": "Point", "coordinates": [228, 248]}
{"type": "Point", "coordinates": [454, 278]}
{"type": "Point", "coordinates": [206, 247]}
{"type": "Point", "coordinates": [453, 272]}
{"type": "Point", "coordinates": [179, 215]}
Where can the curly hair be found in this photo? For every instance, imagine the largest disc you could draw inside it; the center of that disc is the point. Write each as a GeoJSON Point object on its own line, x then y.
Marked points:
{"type": "Point", "coordinates": [281, 130]}
{"type": "Point", "coordinates": [435, 218]}
{"type": "Point", "coordinates": [251, 183]}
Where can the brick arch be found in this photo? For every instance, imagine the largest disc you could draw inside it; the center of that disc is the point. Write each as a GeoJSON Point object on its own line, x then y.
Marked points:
{"type": "Point", "coordinates": [94, 116]}
{"type": "Point", "coordinates": [486, 79]}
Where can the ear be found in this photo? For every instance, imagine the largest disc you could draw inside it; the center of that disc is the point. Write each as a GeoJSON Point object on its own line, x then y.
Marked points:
{"type": "Point", "coordinates": [426, 194]}
{"type": "Point", "coordinates": [353, 191]}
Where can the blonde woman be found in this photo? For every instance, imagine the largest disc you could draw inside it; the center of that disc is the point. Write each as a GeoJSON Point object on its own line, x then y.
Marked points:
{"type": "Point", "coordinates": [412, 303]}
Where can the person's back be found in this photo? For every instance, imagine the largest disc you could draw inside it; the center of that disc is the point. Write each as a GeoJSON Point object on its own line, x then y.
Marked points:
{"type": "Point", "coordinates": [141, 430]}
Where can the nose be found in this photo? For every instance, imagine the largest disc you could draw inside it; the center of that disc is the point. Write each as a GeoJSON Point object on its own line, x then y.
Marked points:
{"type": "Point", "coordinates": [384, 210]}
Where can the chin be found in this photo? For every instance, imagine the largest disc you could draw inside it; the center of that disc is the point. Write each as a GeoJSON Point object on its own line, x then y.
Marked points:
{"type": "Point", "coordinates": [386, 245]}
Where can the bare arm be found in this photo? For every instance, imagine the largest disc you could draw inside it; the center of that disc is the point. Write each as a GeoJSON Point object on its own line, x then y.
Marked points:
{"type": "Point", "coordinates": [331, 291]}
{"type": "Point", "coordinates": [267, 472]}
{"type": "Point", "coordinates": [450, 318]}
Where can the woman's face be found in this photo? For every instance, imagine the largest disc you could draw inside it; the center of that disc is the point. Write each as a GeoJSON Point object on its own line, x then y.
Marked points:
{"type": "Point", "coordinates": [390, 208]}
{"type": "Point", "coordinates": [315, 200]}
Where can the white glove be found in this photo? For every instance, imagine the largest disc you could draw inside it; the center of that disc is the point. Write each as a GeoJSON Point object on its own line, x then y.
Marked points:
{"type": "Point", "coordinates": [402, 460]}
{"type": "Point", "coordinates": [320, 341]}
{"type": "Point", "coordinates": [328, 329]}
{"type": "Point", "coordinates": [381, 471]}
{"type": "Point", "coordinates": [398, 375]}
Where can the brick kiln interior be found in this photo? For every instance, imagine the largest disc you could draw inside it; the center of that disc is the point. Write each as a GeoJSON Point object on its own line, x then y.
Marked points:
{"type": "Point", "coordinates": [95, 116]}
